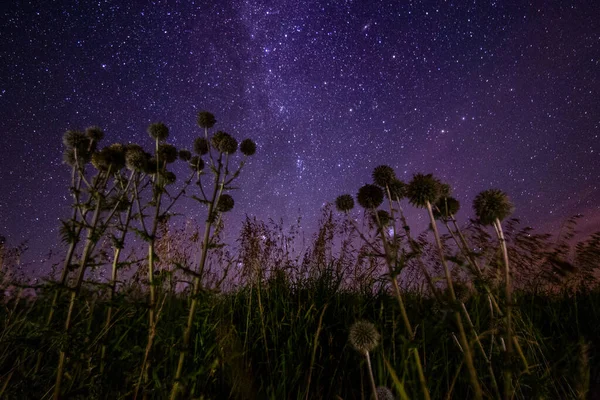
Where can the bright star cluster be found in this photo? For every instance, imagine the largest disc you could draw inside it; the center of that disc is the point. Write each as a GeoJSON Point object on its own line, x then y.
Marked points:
{"type": "Point", "coordinates": [485, 94]}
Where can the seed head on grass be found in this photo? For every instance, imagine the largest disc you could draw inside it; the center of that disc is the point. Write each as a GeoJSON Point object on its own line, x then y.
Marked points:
{"type": "Point", "coordinates": [422, 189]}
{"type": "Point", "coordinates": [201, 146]}
{"type": "Point", "coordinates": [158, 131]}
{"type": "Point", "coordinates": [225, 204]}
{"type": "Point", "coordinates": [492, 204]}
{"type": "Point", "coordinates": [383, 393]}
{"type": "Point", "coordinates": [344, 203]}
{"type": "Point", "coordinates": [206, 120]}
{"type": "Point", "coordinates": [397, 189]}
{"type": "Point", "coordinates": [445, 207]}
{"type": "Point", "coordinates": [363, 336]}
{"type": "Point", "coordinates": [248, 147]}
{"type": "Point", "coordinates": [383, 175]}
{"type": "Point", "coordinates": [370, 196]}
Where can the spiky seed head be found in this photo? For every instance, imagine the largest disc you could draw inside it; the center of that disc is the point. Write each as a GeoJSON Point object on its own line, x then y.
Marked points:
{"type": "Point", "coordinates": [397, 189]}
{"type": "Point", "coordinates": [383, 393]}
{"type": "Point", "coordinates": [75, 140]}
{"type": "Point", "coordinates": [167, 153]}
{"type": "Point", "coordinates": [168, 177]}
{"type": "Point", "coordinates": [422, 189]}
{"type": "Point", "coordinates": [196, 164]}
{"type": "Point", "coordinates": [370, 196]}
{"type": "Point", "coordinates": [116, 156]}
{"type": "Point", "coordinates": [95, 133]}
{"type": "Point", "coordinates": [215, 141]}
{"type": "Point", "coordinates": [206, 120]}
{"type": "Point", "coordinates": [384, 218]}
{"type": "Point", "coordinates": [363, 336]}
{"type": "Point", "coordinates": [153, 166]}
{"type": "Point", "coordinates": [344, 203]}
{"type": "Point", "coordinates": [158, 131]}
{"type": "Point", "coordinates": [185, 155]}
{"type": "Point", "coordinates": [445, 190]}
{"type": "Point", "coordinates": [225, 203]}
{"type": "Point", "coordinates": [201, 146]}
{"type": "Point", "coordinates": [248, 147]}
{"type": "Point", "coordinates": [445, 207]}
{"type": "Point", "coordinates": [383, 175]}
{"type": "Point", "coordinates": [491, 204]}
{"type": "Point", "coordinates": [135, 158]}
{"type": "Point", "coordinates": [69, 158]}
{"type": "Point", "coordinates": [228, 145]}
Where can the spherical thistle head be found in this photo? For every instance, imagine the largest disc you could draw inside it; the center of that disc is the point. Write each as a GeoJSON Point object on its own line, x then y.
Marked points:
{"type": "Point", "coordinates": [225, 203]}
{"type": "Point", "coordinates": [363, 336]}
{"type": "Point", "coordinates": [248, 147]}
{"type": "Point", "coordinates": [95, 133]}
{"type": "Point", "coordinates": [167, 153]}
{"type": "Point", "coordinates": [422, 189]}
{"type": "Point", "coordinates": [75, 140]}
{"type": "Point", "coordinates": [370, 196]}
{"type": "Point", "coordinates": [446, 207]}
{"type": "Point", "coordinates": [70, 159]}
{"type": "Point", "coordinates": [492, 204]}
{"type": "Point", "coordinates": [228, 145]}
{"type": "Point", "coordinates": [153, 166]}
{"type": "Point", "coordinates": [201, 146]}
{"type": "Point", "coordinates": [383, 393]}
{"type": "Point", "coordinates": [206, 120]}
{"type": "Point", "coordinates": [397, 189]}
{"type": "Point", "coordinates": [344, 203]}
{"type": "Point", "coordinates": [185, 155]}
{"type": "Point", "coordinates": [115, 156]}
{"type": "Point", "coordinates": [383, 175]}
{"type": "Point", "coordinates": [384, 218]}
{"type": "Point", "coordinates": [136, 159]}
{"type": "Point", "coordinates": [196, 164]}
{"type": "Point", "coordinates": [158, 131]}
{"type": "Point", "coordinates": [445, 189]}
{"type": "Point", "coordinates": [215, 141]}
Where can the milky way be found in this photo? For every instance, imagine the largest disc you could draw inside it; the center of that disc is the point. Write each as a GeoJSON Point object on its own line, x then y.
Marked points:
{"type": "Point", "coordinates": [497, 94]}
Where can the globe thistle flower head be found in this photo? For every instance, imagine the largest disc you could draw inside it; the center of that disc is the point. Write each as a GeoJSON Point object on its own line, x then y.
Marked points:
{"type": "Point", "coordinates": [384, 218]}
{"type": "Point", "coordinates": [153, 166]}
{"type": "Point", "coordinates": [196, 164]}
{"type": "Point", "coordinates": [206, 120]}
{"type": "Point", "coordinates": [248, 147]}
{"type": "Point", "coordinates": [446, 207]}
{"type": "Point", "coordinates": [201, 146]}
{"type": "Point", "coordinates": [370, 196]}
{"type": "Point", "coordinates": [75, 140]}
{"type": "Point", "coordinates": [363, 336]}
{"type": "Point", "coordinates": [167, 153]}
{"type": "Point", "coordinates": [99, 161]}
{"type": "Point", "coordinates": [383, 393]}
{"type": "Point", "coordinates": [136, 159]}
{"type": "Point", "coordinates": [158, 131]}
{"type": "Point", "coordinates": [215, 141]}
{"type": "Point", "coordinates": [422, 189]}
{"type": "Point", "coordinates": [445, 189]}
{"type": "Point", "coordinates": [492, 204]}
{"type": "Point", "coordinates": [228, 145]}
{"type": "Point", "coordinates": [383, 175]}
{"type": "Point", "coordinates": [70, 159]}
{"type": "Point", "coordinates": [115, 155]}
{"type": "Point", "coordinates": [397, 189]}
{"type": "Point", "coordinates": [225, 203]}
{"type": "Point", "coordinates": [185, 155]}
{"type": "Point", "coordinates": [95, 133]}
{"type": "Point", "coordinates": [344, 203]}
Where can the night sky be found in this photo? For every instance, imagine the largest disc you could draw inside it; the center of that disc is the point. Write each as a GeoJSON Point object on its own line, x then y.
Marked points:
{"type": "Point", "coordinates": [493, 94]}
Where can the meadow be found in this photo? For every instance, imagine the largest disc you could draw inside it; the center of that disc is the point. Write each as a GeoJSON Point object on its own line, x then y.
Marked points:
{"type": "Point", "coordinates": [369, 309]}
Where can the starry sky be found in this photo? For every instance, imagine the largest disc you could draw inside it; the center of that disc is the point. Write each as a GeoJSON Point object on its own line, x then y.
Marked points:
{"type": "Point", "coordinates": [483, 94]}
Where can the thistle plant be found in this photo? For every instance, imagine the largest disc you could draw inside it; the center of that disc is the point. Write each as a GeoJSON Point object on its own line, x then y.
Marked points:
{"type": "Point", "coordinates": [491, 207]}
{"type": "Point", "coordinates": [422, 191]}
{"type": "Point", "coordinates": [370, 197]}
{"type": "Point", "coordinates": [363, 336]}
{"type": "Point", "coordinates": [219, 148]}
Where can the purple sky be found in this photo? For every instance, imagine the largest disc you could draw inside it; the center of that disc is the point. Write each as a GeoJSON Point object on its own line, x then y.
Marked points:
{"type": "Point", "coordinates": [493, 94]}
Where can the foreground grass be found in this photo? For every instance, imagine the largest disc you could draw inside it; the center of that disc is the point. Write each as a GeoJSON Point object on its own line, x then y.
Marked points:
{"type": "Point", "coordinates": [298, 335]}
